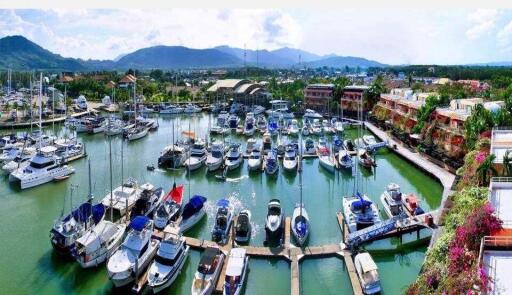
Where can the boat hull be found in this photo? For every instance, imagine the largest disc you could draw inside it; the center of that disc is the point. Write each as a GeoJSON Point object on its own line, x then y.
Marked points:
{"type": "Point", "coordinates": [191, 221]}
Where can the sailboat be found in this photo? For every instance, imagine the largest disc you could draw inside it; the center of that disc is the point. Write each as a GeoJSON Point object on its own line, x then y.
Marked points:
{"type": "Point", "coordinates": [138, 131]}
{"type": "Point", "coordinates": [325, 158]}
{"type": "Point", "coordinates": [193, 211]}
{"type": "Point", "coordinates": [170, 207]}
{"type": "Point", "coordinates": [300, 217]}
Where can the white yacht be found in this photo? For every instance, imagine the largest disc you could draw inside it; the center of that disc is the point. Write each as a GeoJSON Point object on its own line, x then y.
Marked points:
{"type": "Point", "coordinates": [99, 243]}
{"type": "Point", "coordinates": [197, 155]}
{"type": "Point", "coordinates": [274, 223]}
{"type": "Point", "coordinates": [271, 164]}
{"type": "Point", "coordinates": [137, 132]}
{"type": "Point", "coordinates": [254, 162]}
{"type": "Point", "coordinates": [261, 124]}
{"type": "Point", "coordinates": [134, 254]}
{"type": "Point", "coordinates": [123, 198]}
{"type": "Point", "coordinates": [215, 157]}
{"type": "Point", "coordinates": [392, 200]}
{"type": "Point", "coordinates": [294, 128]}
{"type": "Point", "coordinates": [236, 271]}
{"type": "Point", "coordinates": [44, 167]}
{"type": "Point", "coordinates": [191, 109]}
{"type": "Point", "coordinates": [174, 156]}
{"type": "Point", "coordinates": [359, 212]}
{"type": "Point", "coordinates": [249, 126]}
{"type": "Point", "coordinates": [290, 158]}
{"type": "Point", "coordinates": [311, 114]}
{"type": "Point", "coordinates": [234, 157]}
{"type": "Point", "coordinates": [325, 157]}
{"type": "Point", "coordinates": [223, 221]}
{"type": "Point", "coordinates": [367, 272]}
{"type": "Point", "coordinates": [169, 260]}
{"type": "Point", "coordinates": [193, 212]}
{"type": "Point", "coordinates": [170, 110]}
{"type": "Point", "coordinates": [208, 271]}
{"type": "Point", "coordinates": [300, 224]}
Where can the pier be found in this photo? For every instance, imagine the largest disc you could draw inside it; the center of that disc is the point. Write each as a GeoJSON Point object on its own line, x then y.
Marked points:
{"type": "Point", "coordinates": [8, 125]}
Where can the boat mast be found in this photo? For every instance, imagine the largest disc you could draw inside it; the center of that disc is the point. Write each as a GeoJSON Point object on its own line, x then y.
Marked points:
{"type": "Point", "coordinates": [90, 195]}
{"type": "Point", "coordinates": [31, 100]}
{"type": "Point", "coordinates": [40, 108]}
{"type": "Point", "coordinates": [188, 166]}
{"type": "Point", "coordinates": [110, 167]}
{"type": "Point", "coordinates": [300, 178]}
{"type": "Point", "coordinates": [53, 110]}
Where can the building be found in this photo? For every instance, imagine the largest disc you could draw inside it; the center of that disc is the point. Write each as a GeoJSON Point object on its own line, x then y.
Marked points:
{"type": "Point", "coordinates": [501, 142]}
{"type": "Point", "coordinates": [474, 85]}
{"type": "Point", "coordinates": [127, 81]}
{"type": "Point", "coordinates": [240, 90]}
{"type": "Point", "coordinates": [318, 97]}
{"type": "Point", "coordinates": [352, 97]}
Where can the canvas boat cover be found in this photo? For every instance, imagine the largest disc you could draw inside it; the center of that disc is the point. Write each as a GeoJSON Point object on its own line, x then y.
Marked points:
{"type": "Point", "coordinates": [193, 206]}
{"type": "Point", "coordinates": [139, 222]}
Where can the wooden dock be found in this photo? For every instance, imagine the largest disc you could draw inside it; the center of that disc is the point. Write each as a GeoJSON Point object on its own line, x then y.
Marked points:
{"type": "Point", "coordinates": [349, 263]}
{"type": "Point", "coordinates": [8, 125]}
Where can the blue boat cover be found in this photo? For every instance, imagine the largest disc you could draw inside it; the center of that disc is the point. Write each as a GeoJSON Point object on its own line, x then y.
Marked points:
{"type": "Point", "coordinates": [139, 222]}
{"type": "Point", "coordinates": [82, 213]}
{"type": "Point", "coordinates": [301, 228]}
{"type": "Point", "coordinates": [337, 141]}
{"type": "Point", "coordinates": [362, 203]}
{"type": "Point", "coordinates": [98, 211]}
{"type": "Point", "coordinates": [193, 206]}
{"type": "Point", "coordinates": [222, 203]}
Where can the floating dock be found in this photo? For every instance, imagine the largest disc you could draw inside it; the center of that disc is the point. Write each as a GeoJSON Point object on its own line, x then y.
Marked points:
{"type": "Point", "coordinates": [8, 125]}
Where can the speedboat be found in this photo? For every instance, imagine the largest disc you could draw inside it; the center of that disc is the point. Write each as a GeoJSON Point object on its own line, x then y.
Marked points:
{"type": "Point", "coordinates": [254, 162]}
{"type": "Point", "coordinates": [274, 224]}
{"type": "Point", "coordinates": [365, 159]}
{"type": "Point", "coordinates": [412, 204]}
{"type": "Point", "coordinates": [309, 147]}
{"type": "Point", "coordinates": [170, 207]}
{"type": "Point", "coordinates": [122, 198]}
{"type": "Point", "coordinates": [294, 128]}
{"type": "Point", "coordinates": [223, 220]}
{"type": "Point", "coordinates": [236, 271]}
{"type": "Point", "coordinates": [367, 273]}
{"type": "Point", "coordinates": [192, 212]}
{"type": "Point", "coordinates": [99, 243]}
{"type": "Point", "coordinates": [271, 164]}
{"type": "Point", "coordinates": [44, 167]}
{"type": "Point", "coordinates": [191, 109]}
{"type": "Point", "coordinates": [316, 127]}
{"type": "Point", "coordinates": [67, 229]}
{"type": "Point", "coordinates": [300, 224]}
{"type": "Point", "coordinates": [324, 156]}
{"type": "Point", "coordinates": [249, 127]}
{"type": "Point", "coordinates": [243, 227]}
{"type": "Point", "coordinates": [311, 114]}
{"type": "Point", "coordinates": [290, 158]}
{"type": "Point", "coordinates": [359, 212]}
{"type": "Point", "coordinates": [215, 157]}
{"type": "Point", "coordinates": [174, 156]}
{"type": "Point", "coordinates": [234, 157]}
{"type": "Point", "coordinates": [135, 253]}
{"type": "Point", "coordinates": [147, 202]}
{"type": "Point", "coordinates": [197, 155]}
{"type": "Point", "coordinates": [169, 260]}
{"type": "Point", "coordinates": [233, 121]}
{"type": "Point", "coordinates": [208, 271]}
{"type": "Point", "coordinates": [392, 200]}
{"type": "Point", "coordinates": [344, 159]}
{"type": "Point", "coordinates": [251, 142]}
{"type": "Point", "coordinates": [261, 124]}
{"type": "Point", "coordinates": [337, 144]}
{"type": "Point", "coordinates": [267, 143]}
{"type": "Point", "coordinates": [350, 147]}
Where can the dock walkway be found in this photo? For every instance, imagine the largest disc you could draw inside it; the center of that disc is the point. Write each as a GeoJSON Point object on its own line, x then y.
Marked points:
{"type": "Point", "coordinates": [8, 125]}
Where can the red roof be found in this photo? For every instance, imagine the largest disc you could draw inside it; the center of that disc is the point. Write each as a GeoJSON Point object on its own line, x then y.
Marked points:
{"type": "Point", "coordinates": [128, 79]}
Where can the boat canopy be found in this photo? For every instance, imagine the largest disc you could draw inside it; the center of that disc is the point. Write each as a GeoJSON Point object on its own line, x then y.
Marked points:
{"type": "Point", "coordinates": [207, 263]}
{"type": "Point", "coordinates": [367, 263]}
{"type": "Point", "coordinates": [193, 206]}
{"type": "Point", "coordinates": [361, 203]}
{"type": "Point", "coordinates": [139, 222]}
{"type": "Point", "coordinates": [82, 213]}
{"type": "Point", "coordinates": [236, 262]}
{"type": "Point", "coordinates": [222, 203]}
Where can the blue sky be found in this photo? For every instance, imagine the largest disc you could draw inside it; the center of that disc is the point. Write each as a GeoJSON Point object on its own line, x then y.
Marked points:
{"type": "Point", "coordinates": [394, 35]}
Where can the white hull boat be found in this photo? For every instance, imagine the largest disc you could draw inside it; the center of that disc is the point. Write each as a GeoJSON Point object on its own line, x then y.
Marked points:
{"type": "Point", "coordinates": [208, 272]}
{"type": "Point", "coordinates": [236, 271]}
{"type": "Point", "coordinates": [300, 224]}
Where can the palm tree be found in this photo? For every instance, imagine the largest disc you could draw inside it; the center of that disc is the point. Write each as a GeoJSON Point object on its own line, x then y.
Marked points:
{"type": "Point", "coordinates": [507, 164]}
{"type": "Point", "coordinates": [486, 169]}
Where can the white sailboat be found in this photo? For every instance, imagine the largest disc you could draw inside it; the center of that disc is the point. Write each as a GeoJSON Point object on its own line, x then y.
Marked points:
{"type": "Point", "coordinates": [300, 218]}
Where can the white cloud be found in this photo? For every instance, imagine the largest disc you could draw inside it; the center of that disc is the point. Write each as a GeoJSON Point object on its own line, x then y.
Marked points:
{"type": "Point", "coordinates": [504, 37]}
{"type": "Point", "coordinates": [483, 21]}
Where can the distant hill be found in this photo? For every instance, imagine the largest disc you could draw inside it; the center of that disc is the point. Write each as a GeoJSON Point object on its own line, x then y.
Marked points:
{"type": "Point", "coordinates": [170, 57]}
{"type": "Point", "coordinates": [261, 57]}
{"type": "Point", "coordinates": [293, 55]}
{"type": "Point", "coordinates": [343, 61]}
{"type": "Point", "coordinates": [494, 64]}
{"type": "Point", "coordinates": [17, 52]}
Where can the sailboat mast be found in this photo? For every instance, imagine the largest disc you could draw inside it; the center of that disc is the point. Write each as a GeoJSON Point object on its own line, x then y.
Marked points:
{"type": "Point", "coordinates": [90, 182]}
{"type": "Point", "coordinates": [111, 185]}
{"type": "Point", "coordinates": [300, 178]}
{"type": "Point", "coordinates": [40, 107]}
{"type": "Point", "coordinates": [188, 167]}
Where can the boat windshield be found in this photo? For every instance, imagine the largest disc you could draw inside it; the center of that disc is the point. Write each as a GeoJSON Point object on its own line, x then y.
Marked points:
{"type": "Point", "coordinates": [254, 156]}
{"type": "Point", "coordinates": [233, 158]}
{"type": "Point", "coordinates": [217, 154]}
{"type": "Point", "coordinates": [168, 261]}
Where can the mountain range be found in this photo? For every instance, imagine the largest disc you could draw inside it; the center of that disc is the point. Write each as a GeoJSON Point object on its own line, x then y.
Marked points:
{"type": "Point", "coordinates": [19, 53]}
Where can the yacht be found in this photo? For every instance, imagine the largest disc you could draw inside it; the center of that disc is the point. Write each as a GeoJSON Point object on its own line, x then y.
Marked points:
{"type": "Point", "coordinates": [96, 125]}
{"type": "Point", "coordinates": [114, 127]}
{"type": "Point", "coordinates": [208, 271]}
{"type": "Point", "coordinates": [69, 149]}
{"type": "Point", "coordinates": [243, 227]}
{"type": "Point", "coordinates": [338, 126]}
{"type": "Point", "coordinates": [311, 115]}
{"type": "Point", "coordinates": [197, 155]}
{"type": "Point", "coordinates": [135, 253]}
{"type": "Point", "coordinates": [309, 147]}
{"type": "Point", "coordinates": [233, 121]}
{"type": "Point", "coordinates": [147, 202]}
{"type": "Point", "coordinates": [215, 157]}
{"type": "Point", "coordinates": [234, 157]}
{"type": "Point", "coordinates": [236, 271]}
{"type": "Point", "coordinates": [251, 142]}
{"type": "Point", "coordinates": [254, 162]}
{"type": "Point", "coordinates": [325, 158]}
{"type": "Point", "coordinates": [261, 124]}
{"type": "Point", "coordinates": [20, 162]}
{"type": "Point", "coordinates": [345, 159]}
{"type": "Point", "coordinates": [171, 110]}
{"type": "Point", "coordinates": [367, 273]}
{"type": "Point", "coordinates": [10, 153]}
{"type": "Point", "coordinates": [290, 158]}
{"type": "Point", "coordinates": [191, 109]}
{"type": "Point", "coordinates": [365, 159]}
{"type": "Point", "coordinates": [300, 224]}
{"type": "Point", "coordinates": [294, 128]}
{"type": "Point", "coordinates": [122, 198]}
{"type": "Point", "coordinates": [359, 212]}
{"type": "Point", "coordinates": [44, 167]}
{"type": "Point", "coordinates": [249, 126]}
{"type": "Point", "coordinates": [174, 156]}
{"type": "Point", "coordinates": [223, 221]}
{"type": "Point", "coordinates": [316, 127]}
{"type": "Point", "coordinates": [274, 224]}
{"type": "Point", "coordinates": [99, 243]}
{"type": "Point", "coordinates": [326, 127]}
{"type": "Point", "coordinates": [257, 110]}
{"type": "Point", "coordinates": [169, 260]}
{"type": "Point", "coordinates": [192, 212]}
{"type": "Point", "coordinates": [267, 143]}
{"type": "Point", "coordinates": [305, 129]}
{"type": "Point", "coordinates": [271, 164]}
{"type": "Point", "coordinates": [221, 123]}
{"type": "Point", "coordinates": [137, 132]}
{"type": "Point", "coordinates": [337, 144]}
{"type": "Point", "coordinates": [392, 200]}
{"type": "Point", "coordinates": [170, 207]}
{"type": "Point", "coordinates": [272, 127]}
{"type": "Point", "coordinates": [369, 140]}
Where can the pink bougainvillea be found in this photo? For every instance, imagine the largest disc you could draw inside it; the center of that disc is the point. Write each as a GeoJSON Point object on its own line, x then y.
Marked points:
{"type": "Point", "coordinates": [480, 157]}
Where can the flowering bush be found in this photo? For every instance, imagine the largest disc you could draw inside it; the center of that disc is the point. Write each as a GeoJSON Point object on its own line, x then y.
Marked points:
{"type": "Point", "coordinates": [480, 157]}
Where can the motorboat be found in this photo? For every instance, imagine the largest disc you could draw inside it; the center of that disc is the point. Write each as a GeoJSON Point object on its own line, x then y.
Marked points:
{"type": "Point", "coordinates": [234, 157]}
{"type": "Point", "coordinates": [325, 158]}
{"type": "Point", "coordinates": [233, 121]}
{"type": "Point", "coordinates": [280, 145]}
{"type": "Point", "coordinates": [221, 123]}
{"type": "Point", "coordinates": [215, 157]}
{"type": "Point", "coordinates": [135, 253]}
{"type": "Point", "coordinates": [223, 221]}
{"type": "Point", "coordinates": [169, 208]}
{"type": "Point", "coordinates": [10, 153]}
{"type": "Point", "coordinates": [44, 167]}
{"type": "Point", "coordinates": [192, 212]}
{"type": "Point", "coordinates": [151, 124]}
{"type": "Point", "coordinates": [294, 128]}
{"type": "Point", "coordinates": [208, 271]}
{"type": "Point", "coordinates": [338, 126]}
{"type": "Point", "coordinates": [96, 125]}
{"type": "Point", "coordinates": [171, 110]}
{"type": "Point", "coordinates": [243, 227]}
{"type": "Point", "coordinates": [257, 110]}
{"type": "Point", "coordinates": [249, 126]}
{"type": "Point", "coordinates": [311, 115]}
{"type": "Point", "coordinates": [412, 205]}
{"type": "Point", "coordinates": [367, 273]}
{"type": "Point", "coordinates": [300, 224]}
{"type": "Point", "coordinates": [81, 102]}
{"type": "Point", "coordinates": [174, 156]}
{"type": "Point", "coordinates": [251, 142]}
{"type": "Point", "coordinates": [305, 129]}
{"type": "Point", "coordinates": [149, 199]}
{"type": "Point", "coordinates": [359, 212]}
{"type": "Point", "coordinates": [345, 159]}
{"type": "Point", "coordinates": [369, 140]}
{"type": "Point", "coordinates": [123, 198]}
{"type": "Point", "coordinates": [316, 127]}
{"type": "Point", "coordinates": [267, 143]}
{"type": "Point", "coordinates": [309, 147]}
{"type": "Point", "coordinates": [68, 228]}
{"type": "Point", "coordinates": [272, 127]}
{"type": "Point", "coordinates": [337, 144]}
{"type": "Point", "coordinates": [68, 149]}
{"type": "Point", "coordinates": [137, 132]}
{"type": "Point", "coordinates": [20, 162]}
{"type": "Point", "coordinates": [350, 147]}
{"type": "Point", "coordinates": [98, 243]}
{"type": "Point", "coordinates": [290, 158]}
{"type": "Point", "coordinates": [261, 124]}
{"type": "Point", "coordinates": [365, 159]}
{"type": "Point", "coordinates": [271, 164]}
{"type": "Point", "coordinates": [191, 109]}
{"type": "Point", "coordinates": [254, 162]}
{"type": "Point", "coordinates": [239, 130]}
{"type": "Point", "coordinates": [274, 224]}
{"type": "Point", "coordinates": [236, 271]}
{"type": "Point", "coordinates": [236, 108]}
{"type": "Point", "coordinates": [169, 260]}
{"type": "Point", "coordinates": [392, 200]}
{"type": "Point", "coordinates": [326, 127]}
{"type": "Point", "coordinates": [197, 155]}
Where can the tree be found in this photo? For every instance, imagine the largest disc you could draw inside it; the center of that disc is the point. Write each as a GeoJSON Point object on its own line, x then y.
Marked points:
{"type": "Point", "coordinates": [480, 120]}
{"type": "Point", "coordinates": [372, 95]}
{"type": "Point", "coordinates": [507, 164]}
{"type": "Point", "coordinates": [486, 169]}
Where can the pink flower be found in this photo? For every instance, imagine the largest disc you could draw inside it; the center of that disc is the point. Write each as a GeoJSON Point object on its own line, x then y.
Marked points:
{"type": "Point", "coordinates": [480, 157]}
